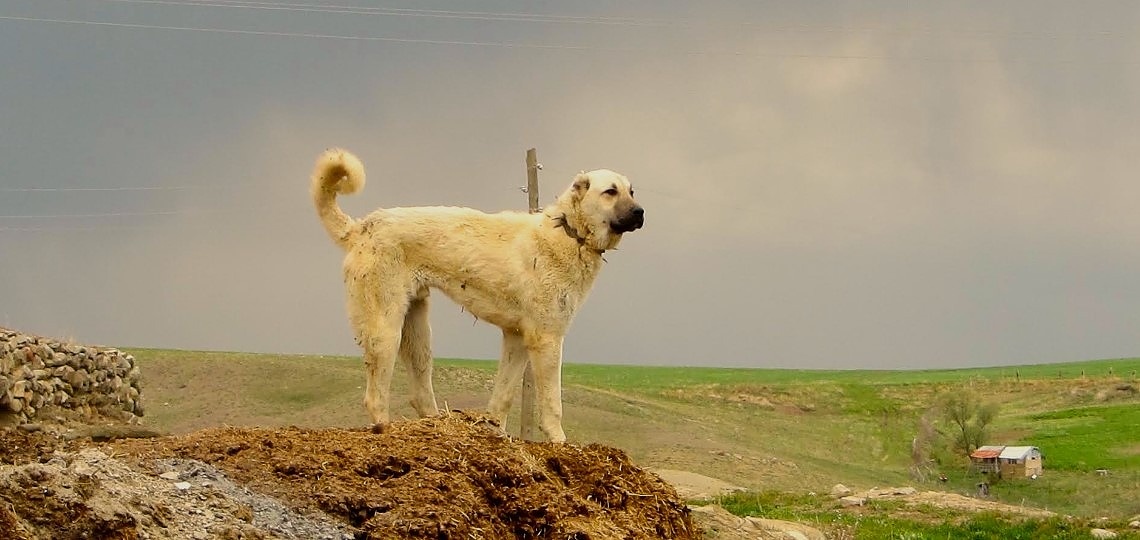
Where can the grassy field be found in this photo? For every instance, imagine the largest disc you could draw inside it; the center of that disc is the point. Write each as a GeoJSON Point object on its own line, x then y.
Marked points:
{"type": "Point", "coordinates": [891, 519]}
{"type": "Point", "coordinates": [782, 431]}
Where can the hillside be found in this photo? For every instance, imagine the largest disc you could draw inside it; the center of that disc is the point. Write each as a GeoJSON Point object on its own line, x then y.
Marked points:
{"type": "Point", "coordinates": [279, 441]}
{"type": "Point", "coordinates": [763, 429]}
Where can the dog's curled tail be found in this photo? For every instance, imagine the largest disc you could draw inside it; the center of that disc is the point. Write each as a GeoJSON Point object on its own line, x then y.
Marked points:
{"type": "Point", "coordinates": [337, 171]}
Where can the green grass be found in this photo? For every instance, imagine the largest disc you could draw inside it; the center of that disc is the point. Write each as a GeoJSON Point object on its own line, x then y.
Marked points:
{"type": "Point", "coordinates": [1089, 438]}
{"type": "Point", "coordinates": [790, 430]}
{"type": "Point", "coordinates": [653, 378]}
{"type": "Point", "coordinates": [894, 520]}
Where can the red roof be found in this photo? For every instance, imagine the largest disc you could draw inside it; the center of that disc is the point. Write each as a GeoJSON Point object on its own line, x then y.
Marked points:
{"type": "Point", "coordinates": [986, 454]}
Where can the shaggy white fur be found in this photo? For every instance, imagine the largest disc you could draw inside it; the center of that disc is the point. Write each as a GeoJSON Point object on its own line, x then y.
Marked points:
{"type": "Point", "coordinates": [525, 273]}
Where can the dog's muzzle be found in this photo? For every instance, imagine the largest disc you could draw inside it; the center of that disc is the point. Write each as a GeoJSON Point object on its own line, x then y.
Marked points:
{"type": "Point", "coordinates": [632, 221]}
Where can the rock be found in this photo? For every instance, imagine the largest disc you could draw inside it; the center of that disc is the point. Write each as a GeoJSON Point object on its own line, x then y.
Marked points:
{"type": "Point", "coordinates": [1102, 533]}
{"type": "Point", "coordinates": [851, 500]}
{"type": "Point", "coordinates": [786, 529]}
{"type": "Point", "coordinates": [1135, 524]}
{"type": "Point", "coordinates": [78, 379]}
{"type": "Point", "coordinates": [718, 523]}
{"type": "Point", "coordinates": [5, 384]}
{"type": "Point", "coordinates": [82, 469]}
{"type": "Point", "coordinates": [169, 475]}
{"type": "Point", "coordinates": [839, 491]}
{"type": "Point", "coordinates": [18, 389]}
{"type": "Point", "coordinates": [182, 486]}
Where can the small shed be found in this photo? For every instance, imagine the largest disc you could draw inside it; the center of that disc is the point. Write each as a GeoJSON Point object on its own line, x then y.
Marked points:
{"type": "Point", "coordinates": [1020, 462]}
{"type": "Point", "coordinates": [985, 459]}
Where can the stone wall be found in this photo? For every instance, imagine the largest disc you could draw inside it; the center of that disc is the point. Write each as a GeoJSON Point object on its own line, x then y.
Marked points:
{"type": "Point", "coordinates": [38, 373]}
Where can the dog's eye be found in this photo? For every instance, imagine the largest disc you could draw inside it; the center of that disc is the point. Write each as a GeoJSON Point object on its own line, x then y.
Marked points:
{"type": "Point", "coordinates": [611, 192]}
{"type": "Point", "coordinates": [630, 192]}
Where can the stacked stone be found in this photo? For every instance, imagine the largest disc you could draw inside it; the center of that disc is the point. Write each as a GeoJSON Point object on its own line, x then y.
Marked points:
{"type": "Point", "coordinates": [37, 372]}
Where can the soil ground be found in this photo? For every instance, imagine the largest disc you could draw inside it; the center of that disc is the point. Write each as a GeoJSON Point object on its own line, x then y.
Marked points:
{"type": "Point", "coordinates": [452, 476]}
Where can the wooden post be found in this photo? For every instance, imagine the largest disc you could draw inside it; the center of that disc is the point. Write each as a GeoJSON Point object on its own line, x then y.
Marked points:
{"type": "Point", "coordinates": [532, 179]}
{"type": "Point", "coordinates": [526, 405]}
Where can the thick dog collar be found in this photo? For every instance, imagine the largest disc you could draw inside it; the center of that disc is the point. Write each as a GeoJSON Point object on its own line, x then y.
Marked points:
{"type": "Point", "coordinates": [565, 226]}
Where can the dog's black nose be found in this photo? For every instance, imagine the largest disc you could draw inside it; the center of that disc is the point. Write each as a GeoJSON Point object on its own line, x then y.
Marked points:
{"type": "Point", "coordinates": [638, 217]}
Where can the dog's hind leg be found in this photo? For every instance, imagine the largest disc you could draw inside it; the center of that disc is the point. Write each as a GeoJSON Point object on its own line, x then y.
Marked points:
{"type": "Point", "coordinates": [379, 359]}
{"type": "Point", "coordinates": [507, 378]}
{"type": "Point", "coordinates": [415, 353]}
{"type": "Point", "coordinates": [377, 319]}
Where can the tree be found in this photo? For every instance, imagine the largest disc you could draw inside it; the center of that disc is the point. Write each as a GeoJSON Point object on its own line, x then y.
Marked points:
{"type": "Point", "coordinates": [969, 418]}
{"type": "Point", "coordinates": [922, 446]}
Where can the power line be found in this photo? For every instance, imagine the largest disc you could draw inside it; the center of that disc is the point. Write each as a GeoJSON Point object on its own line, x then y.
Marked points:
{"type": "Point", "coordinates": [412, 12]}
{"type": "Point", "coordinates": [61, 229]}
{"type": "Point", "coordinates": [263, 207]}
{"type": "Point", "coordinates": [108, 214]}
{"type": "Point", "coordinates": [558, 47]}
{"type": "Point", "coordinates": [597, 20]}
{"type": "Point", "coordinates": [689, 198]}
{"type": "Point", "coordinates": [88, 189]}
{"type": "Point", "coordinates": [545, 47]}
{"type": "Point", "coordinates": [297, 34]}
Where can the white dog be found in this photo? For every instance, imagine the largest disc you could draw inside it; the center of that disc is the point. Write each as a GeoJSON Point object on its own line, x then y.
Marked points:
{"type": "Point", "coordinates": [525, 273]}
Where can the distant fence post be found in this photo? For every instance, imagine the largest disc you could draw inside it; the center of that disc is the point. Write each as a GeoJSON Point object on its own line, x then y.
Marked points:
{"type": "Point", "coordinates": [526, 405]}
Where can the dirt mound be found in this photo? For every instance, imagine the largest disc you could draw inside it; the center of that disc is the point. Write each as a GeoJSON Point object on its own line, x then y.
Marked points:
{"type": "Point", "coordinates": [453, 476]}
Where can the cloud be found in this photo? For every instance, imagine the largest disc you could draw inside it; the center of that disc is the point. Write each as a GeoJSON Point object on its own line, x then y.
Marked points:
{"type": "Point", "coordinates": [829, 186]}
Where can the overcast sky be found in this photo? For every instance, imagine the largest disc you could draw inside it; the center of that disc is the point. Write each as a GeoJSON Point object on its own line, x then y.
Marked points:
{"type": "Point", "coordinates": [827, 184]}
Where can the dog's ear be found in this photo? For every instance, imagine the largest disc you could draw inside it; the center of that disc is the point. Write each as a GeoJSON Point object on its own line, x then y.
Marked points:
{"type": "Point", "coordinates": [581, 182]}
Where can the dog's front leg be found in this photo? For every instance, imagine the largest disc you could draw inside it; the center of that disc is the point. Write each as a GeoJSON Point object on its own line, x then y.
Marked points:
{"type": "Point", "coordinates": [545, 353]}
{"type": "Point", "coordinates": [511, 366]}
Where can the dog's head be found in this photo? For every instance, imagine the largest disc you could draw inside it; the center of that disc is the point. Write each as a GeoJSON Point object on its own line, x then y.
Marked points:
{"type": "Point", "coordinates": [599, 207]}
